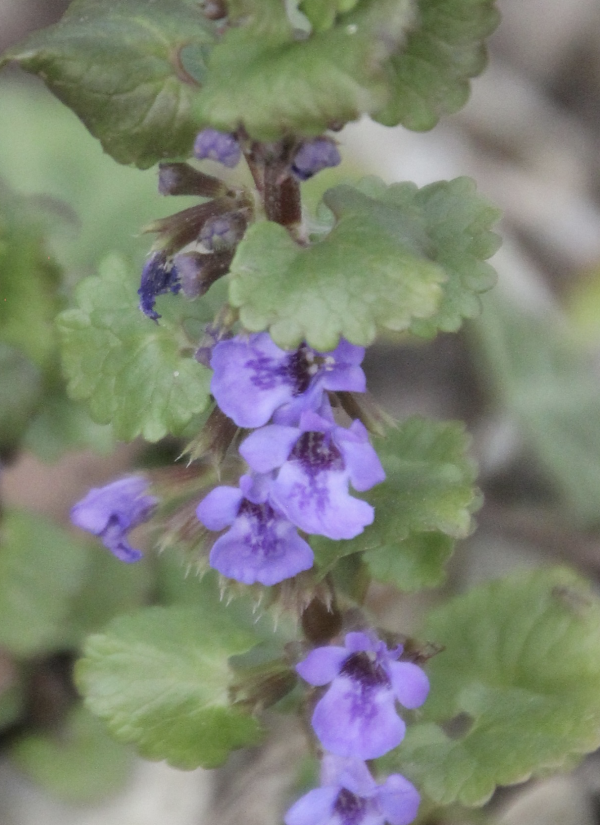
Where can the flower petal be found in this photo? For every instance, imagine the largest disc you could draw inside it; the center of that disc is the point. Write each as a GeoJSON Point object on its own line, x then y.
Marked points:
{"type": "Point", "coordinates": [219, 508]}
{"type": "Point", "coordinates": [314, 808]}
{"type": "Point", "coordinates": [248, 381]}
{"type": "Point", "coordinates": [251, 552]}
{"type": "Point", "coordinates": [322, 665]}
{"type": "Point", "coordinates": [268, 448]}
{"type": "Point", "coordinates": [352, 721]}
{"type": "Point", "coordinates": [409, 682]}
{"type": "Point", "coordinates": [362, 462]}
{"type": "Point", "coordinates": [349, 773]}
{"type": "Point", "coordinates": [320, 503]}
{"type": "Point", "coordinates": [399, 800]}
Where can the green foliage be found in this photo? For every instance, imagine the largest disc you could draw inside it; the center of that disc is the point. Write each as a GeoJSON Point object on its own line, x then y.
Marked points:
{"type": "Point", "coordinates": [261, 76]}
{"type": "Point", "coordinates": [424, 504]}
{"type": "Point", "coordinates": [429, 77]}
{"type": "Point", "coordinates": [29, 279]}
{"type": "Point", "coordinates": [161, 680]}
{"type": "Point", "coordinates": [322, 13]}
{"type": "Point", "coordinates": [79, 764]}
{"type": "Point", "coordinates": [513, 693]}
{"type": "Point", "coordinates": [379, 268]}
{"type": "Point", "coordinates": [41, 568]}
{"type": "Point", "coordinates": [549, 388]}
{"type": "Point", "coordinates": [136, 374]}
{"type": "Point", "coordinates": [121, 68]}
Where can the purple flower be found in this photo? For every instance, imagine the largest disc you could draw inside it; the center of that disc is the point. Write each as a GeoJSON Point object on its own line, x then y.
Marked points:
{"type": "Point", "coordinates": [253, 378]}
{"type": "Point", "coordinates": [313, 156]}
{"type": "Point", "coordinates": [350, 796]}
{"type": "Point", "coordinates": [159, 276]}
{"type": "Point", "coordinates": [219, 146]}
{"type": "Point", "coordinates": [110, 512]}
{"type": "Point", "coordinates": [317, 461]}
{"type": "Point", "coordinates": [262, 545]}
{"type": "Point", "coordinates": [357, 716]}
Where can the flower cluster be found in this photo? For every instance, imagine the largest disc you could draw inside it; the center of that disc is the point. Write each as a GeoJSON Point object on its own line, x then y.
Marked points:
{"type": "Point", "coordinates": [356, 720]}
{"type": "Point", "coordinates": [301, 462]}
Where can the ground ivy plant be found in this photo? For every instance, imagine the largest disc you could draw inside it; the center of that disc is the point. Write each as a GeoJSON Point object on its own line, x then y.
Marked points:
{"type": "Point", "coordinates": [243, 335]}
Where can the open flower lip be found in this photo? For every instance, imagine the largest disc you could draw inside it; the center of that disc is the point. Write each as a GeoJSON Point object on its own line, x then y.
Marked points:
{"type": "Point", "coordinates": [254, 379]}
{"type": "Point", "coordinates": [357, 717]}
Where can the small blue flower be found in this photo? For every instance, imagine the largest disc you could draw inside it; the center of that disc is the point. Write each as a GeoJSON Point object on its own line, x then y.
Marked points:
{"type": "Point", "coordinates": [350, 796]}
{"type": "Point", "coordinates": [357, 716]}
{"type": "Point", "coordinates": [219, 146]}
{"type": "Point", "coordinates": [261, 544]}
{"type": "Point", "coordinates": [313, 156]}
{"type": "Point", "coordinates": [110, 512]}
{"type": "Point", "coordinates": [253, 378]}
{"type": "Point", "coordinates": [159, 276]}
{"type": "Point", "coordinates": [317, 460]}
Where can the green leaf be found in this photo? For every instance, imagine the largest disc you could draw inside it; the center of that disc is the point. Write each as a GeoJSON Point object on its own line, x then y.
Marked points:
{"type": "Point", "coordinates": [424, 504]}
{"type": "Point", "coordinates": [513, 693]}
{"type": "Point", "coordinates": [260, 76]}
{"type": "Point", "coordinates": [429, 77]}
{"type": "Point", "coordinates": [79, 764]}
{"type": "Point", "coordinates": [459, 225]}
{"type": "Point", "coordinates": [322, 13]}
{"type": "Point", "coordinates": [549, 387]}
{"type": "Point", "coordinates": [41, 568]}
{"type": "Point", "coordinates": [373, 271]}
{"type": "Point", "coordinates": [121, 67]}
{"type": "Point", "coordinates": [415, 563]}
{"type": "Point", "coordinates": [160, 679]}
{"type": "Point", "coordinates": [137, 375]}
{"type": "Point", "coordinates": [29, 279]}
{"type": "Point", "coordinates": [397, 257]}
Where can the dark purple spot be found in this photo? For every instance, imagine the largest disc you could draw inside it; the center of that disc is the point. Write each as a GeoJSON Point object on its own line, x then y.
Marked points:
{"type": "Point", "coordinates": [296, 370]}
{"type": "Point", "coordinates": [262, 537]}
{"type": "Point", "coordinates": [350, 808]}
{"type": "Point", "coordinates": [364, 670]}
{"type": "Point", "coordinates": [317, 452]}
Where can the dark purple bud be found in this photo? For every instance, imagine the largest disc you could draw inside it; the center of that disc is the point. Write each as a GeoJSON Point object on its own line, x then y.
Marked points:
{"type": "Point", "coordinates": [198, 272]}
{"type": "Point", "coordinates": [183, 179]}
{"type": "Point", "coordinates": [313, 156]}
{"type": "Point", "coordinates": [159, 276]}
{"type": "Point", "coordinates": [223, 232]}
{"type": "Point", "coordinates": [219, 146]}
{"type": "Point", "coordinates": [182, 228]}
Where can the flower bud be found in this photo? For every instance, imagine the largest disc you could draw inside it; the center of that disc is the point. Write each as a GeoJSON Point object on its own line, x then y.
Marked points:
{"type": "Point", "coordinates": [219, 146]}
{"type": "Point", "coordinates": [183, 179]}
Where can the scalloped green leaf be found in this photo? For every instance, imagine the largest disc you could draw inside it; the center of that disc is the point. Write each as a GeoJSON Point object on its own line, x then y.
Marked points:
{"type": "Point", "coordinates": [262, 77]}
{"type": "Point", "coordinates": [373, 271]}
{"type": "Point", "coordinates": [397, 257]}
{"type": "Point", "coordinates": [138, 375]}
{"type": "Point", "coordinates": [121, 67]}
{"type": "Point", "coordinates": [514, 693]}
{"type": "Point", "coordinates": [459, 225]}
{"type": "Point", "coordinates": [41, 569]}
{"type": "Point", "coordinates": [160, 679]}
{"type": "Point", "coordinates": [426, 502]}
{"type": "Point", "coordinates": [429, 77]}
{"type": "Point", "coordinates": [79, 764]}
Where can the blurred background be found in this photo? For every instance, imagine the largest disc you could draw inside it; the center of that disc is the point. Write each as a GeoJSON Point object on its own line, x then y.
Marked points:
{"type": "Point", "coordinates": [525, 377]}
